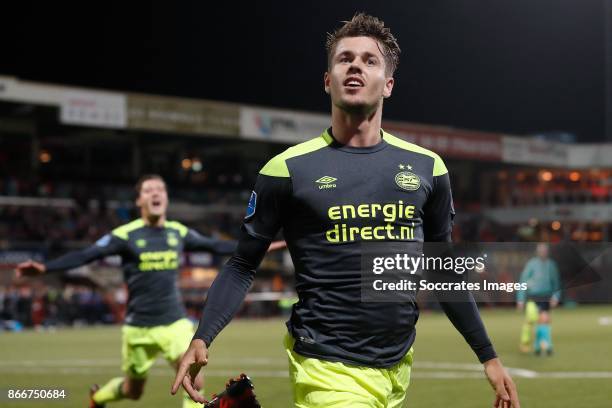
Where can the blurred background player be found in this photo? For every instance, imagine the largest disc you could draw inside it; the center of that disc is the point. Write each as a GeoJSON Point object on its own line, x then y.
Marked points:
{"type": "Point", "coordinates": [344, 352]}
{"type": "Point", "coordinates": [543, 293]}
{"type": "Point", "coordinates": [150, 248]}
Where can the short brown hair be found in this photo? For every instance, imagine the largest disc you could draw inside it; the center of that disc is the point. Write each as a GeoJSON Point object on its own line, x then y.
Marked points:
{"type": "Point", "coordinates": [144, 178]}
{"type": "Point", "coordinates": [363, 25]}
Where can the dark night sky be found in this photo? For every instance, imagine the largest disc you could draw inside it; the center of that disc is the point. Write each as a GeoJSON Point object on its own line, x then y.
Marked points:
{"type": "Point", "coordinates": [516, 66]}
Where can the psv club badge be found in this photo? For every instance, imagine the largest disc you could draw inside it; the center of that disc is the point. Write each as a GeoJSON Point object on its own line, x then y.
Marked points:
{"type": "Point", "coordinates": [406, 179]}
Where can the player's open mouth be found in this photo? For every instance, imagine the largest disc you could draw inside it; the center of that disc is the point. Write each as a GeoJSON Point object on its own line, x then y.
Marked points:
{"type": "Point", "coordinates": [353, 82]}
{"type": "Point", "coordinates": [156, 203]}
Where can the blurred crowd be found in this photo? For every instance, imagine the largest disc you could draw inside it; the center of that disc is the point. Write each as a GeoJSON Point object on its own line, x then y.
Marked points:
{"type": "Point", "coordinates": [36, 305]}
{"type": "Point", "coordinates": [525, 188]}
{"type": "Point", "coordinates": [49, 307]}
{"type": "Point", "coordinates": [96, 209]}
{"type": "Point", "coordinates": [102, 192]}
{"type": "Point", "coordinates": [54, 224]}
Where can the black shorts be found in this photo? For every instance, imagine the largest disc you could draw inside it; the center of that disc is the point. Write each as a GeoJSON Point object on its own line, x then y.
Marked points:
{"type": "Point", "coordinates": [543, 305]}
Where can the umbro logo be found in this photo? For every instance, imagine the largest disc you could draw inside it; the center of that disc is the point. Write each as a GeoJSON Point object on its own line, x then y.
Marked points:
{"type": "Point", "coordinates": [326, 182]}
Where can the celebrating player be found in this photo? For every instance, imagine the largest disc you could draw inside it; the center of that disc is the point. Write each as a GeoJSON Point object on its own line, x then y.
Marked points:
{"type": "Point", "coordinates": [543, 292]}
{"type": "Point", "coordinates": [343, 352]}
{"type": "Point", "coordinates": [150, 249]}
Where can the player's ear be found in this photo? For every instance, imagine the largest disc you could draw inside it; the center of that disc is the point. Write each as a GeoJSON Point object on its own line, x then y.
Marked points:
{"type": "Point", "coordinates": [388, 87]}
{"type": "Point", "coordinates": [326, 81]}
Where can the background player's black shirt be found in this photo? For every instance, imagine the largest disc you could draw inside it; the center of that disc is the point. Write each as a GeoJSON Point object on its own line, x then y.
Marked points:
{"type": "Point", "coordinates": [329, 198]}
{"type": "Point", "coordinates": [150, 259]}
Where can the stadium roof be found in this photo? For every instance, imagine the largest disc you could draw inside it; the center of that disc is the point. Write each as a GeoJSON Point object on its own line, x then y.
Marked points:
{"type": "Point", "coordinates": [98, 108]}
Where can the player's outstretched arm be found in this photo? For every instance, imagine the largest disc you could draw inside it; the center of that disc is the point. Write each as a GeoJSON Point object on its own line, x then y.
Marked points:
{"type": "Point", "coordinates": [464, 315]}
{"type": "Point", "coordinates": [195, 240]}
{"type": "Point", "coordinates": [461, 309]}
{"type": "Point", "coordinates": [107, 245]}
{"type": "Point", "coordinates": [224, 299]}
{"type": "Point", "coordinates": [506, 395]}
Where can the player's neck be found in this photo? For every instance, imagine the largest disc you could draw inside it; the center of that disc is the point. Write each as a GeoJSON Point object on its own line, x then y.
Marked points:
{"type": "Point", "coordinates": [154, 220]}
{"type": "Point", "coordinates": [356, 129]}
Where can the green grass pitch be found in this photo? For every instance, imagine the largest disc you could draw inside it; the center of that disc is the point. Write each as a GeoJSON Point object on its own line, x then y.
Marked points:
{"type": "Point", "coordinates": [446, 373]}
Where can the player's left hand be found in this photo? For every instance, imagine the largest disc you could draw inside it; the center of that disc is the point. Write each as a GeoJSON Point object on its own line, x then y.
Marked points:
{"type": "Point", "coordinates": [554, 302]}
{"type": "Point", "coordinates": [506, 395]}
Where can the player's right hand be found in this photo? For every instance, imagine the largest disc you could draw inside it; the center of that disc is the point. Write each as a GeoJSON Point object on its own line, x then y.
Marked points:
{"type": "Point", "coordinates": [193, 360]}
{"type": "Point", "coordinates": [520, 305]}
{"type": "Point", "coordinates": [29, 268]}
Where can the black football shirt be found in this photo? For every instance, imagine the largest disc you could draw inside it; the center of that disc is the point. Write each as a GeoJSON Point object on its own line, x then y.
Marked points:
{"type": "Point", "coordinates": [328, 199]}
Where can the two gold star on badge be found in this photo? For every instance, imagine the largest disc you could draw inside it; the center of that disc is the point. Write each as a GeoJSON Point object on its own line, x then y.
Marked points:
{"type": "Point", "coordinates": [405, 167]}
